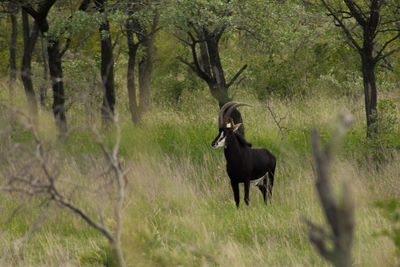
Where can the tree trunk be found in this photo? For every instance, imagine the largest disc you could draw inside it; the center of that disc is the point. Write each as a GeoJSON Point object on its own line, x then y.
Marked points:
{"type": "Point", "coordinates": [146, 68]}
{"type": "Point", "coordinates": [208, 66]}
{"type": "Point", "coordinates": [55, 67]}
{"type": "Point", "coordinates": [145, 71]}
{"type": "Point", "coordinates": [56, 74]}
{"type": "Point", "coordinates": [43, 86]}
{"type": "Point", "coordinates": [107, 68]}
{"type": "Point", "coordinates": [218, 86]}
{"type": "Point", "coordinates": [215, 62]}
{"type": "Point", "coordinates": [370, 94]}
{"type": "Point", "coordinates": [107, 74]}
{"type": "Point", "coordinates": [220, 93]}
{"type": "Point", "coordinates": [370, 99]}
{"type": "Point", "coordinates": [204, 61]}
{"type": "Point", "coordinates": [13, 54]}
{"type": "Point", "coordinates": [30, 38]}
{"type": "Point", "coordinates": [133, 106]}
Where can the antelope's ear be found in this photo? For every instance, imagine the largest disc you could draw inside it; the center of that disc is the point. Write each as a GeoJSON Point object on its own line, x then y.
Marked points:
{"type": "Point", "coordinates": [236, 127]}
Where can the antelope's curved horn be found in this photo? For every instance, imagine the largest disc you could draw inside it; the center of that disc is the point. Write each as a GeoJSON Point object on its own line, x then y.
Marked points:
{"type": "Point", "coordinates": [231, 108]}
{"type": "Point", "coordinates": [221, 113]}
{"type": "Point", "coordinates": [228, 107]}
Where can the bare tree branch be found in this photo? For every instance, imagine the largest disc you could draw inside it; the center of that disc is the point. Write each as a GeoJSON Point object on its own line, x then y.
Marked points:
{"type": "Point", "coordinates": [340, 216]}
{"type": "Point", "coordinates": [356, 12]}
{"type": "Point", "coordinates": [379, 56]}
{"type": "Point", "coordinates": [236, 76]}
{"type": "Point", "coordinates": [333, 13]}
{"type": "Point", "coordinates": [44, 183]}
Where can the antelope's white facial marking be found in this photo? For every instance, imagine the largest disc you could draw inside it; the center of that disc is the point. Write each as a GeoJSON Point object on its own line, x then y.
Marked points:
{"type": "Point", "coordinates": [219, 140]}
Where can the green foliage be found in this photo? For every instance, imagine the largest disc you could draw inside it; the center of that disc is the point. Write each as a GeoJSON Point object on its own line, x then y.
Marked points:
{"type": "Point", "coordinates": [391, 211]}
{"type": "Point", "coordinates": [4, 44]}
{"type": "Point", "coordinates": [275, 79]}
{"type": "Point", "coordinates": [380, 145]}
{"type": "Point", "coordinates": [172, 78]}
{"type": "Point", "coordinates": [70, 26]}
{"type": "Point", "coordinates": [387, 117]}
{"type": "Point", "coordinates": [81, 80]}
{"type": "Point", "coordinates": [348, 84]}
{"type": "Point", "coordinates": [185, 14]}
{"type": "Point", "coordinates": [291, 49]}
{"type": "Point", "coordinates": [171, 90]}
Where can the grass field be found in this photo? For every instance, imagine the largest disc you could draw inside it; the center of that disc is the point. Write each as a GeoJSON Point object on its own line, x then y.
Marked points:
{"type": "Point", "coordinates": [179, 208]}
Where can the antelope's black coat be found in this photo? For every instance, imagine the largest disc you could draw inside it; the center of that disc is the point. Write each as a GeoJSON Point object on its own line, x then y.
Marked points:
{"type": "Point", "coordinates": [244, 163]}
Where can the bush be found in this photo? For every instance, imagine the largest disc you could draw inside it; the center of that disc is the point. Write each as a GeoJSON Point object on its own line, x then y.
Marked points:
{"type": "Point", "coordinates": [381, 144]}
{"type": "Point", "coordinates": [391, 211]}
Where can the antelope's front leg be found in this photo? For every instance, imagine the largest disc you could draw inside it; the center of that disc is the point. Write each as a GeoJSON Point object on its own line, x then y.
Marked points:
{"type": "Point", "coordinates": [246, 192]}
{"type": "Point", "coordinates": [235, 188]}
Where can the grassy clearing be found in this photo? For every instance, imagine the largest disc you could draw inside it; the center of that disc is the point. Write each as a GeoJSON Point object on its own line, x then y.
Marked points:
{"type": "Point", "coordinates": [180, 208]}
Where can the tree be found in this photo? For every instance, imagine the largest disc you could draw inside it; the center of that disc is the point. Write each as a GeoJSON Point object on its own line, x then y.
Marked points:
{"type": "Point", "coordinates": [372, 28]}
{"type": "Point", "coordinates": [201, 26]}
{"type": "Point", "coordinates": [13, 10]}
{"type": "Point", "coordinates": [30, 37]}
{"type": "Point", "coordinates": [53, 49]}
{"type": "Point", "coordinates": [280, 39]}
{"type": "Point", "coordinates": [107, 65]}
{"type": "Point", "coordinates": [55, 54]}
{"type": "Point", "coordinates": [137, 25]}
{"type": "Point", "coordinates": [45, 59]}
{"type": "Point", "coordinates": [146, 63]}
{"type": "Point", "coordinates": [62, 27]}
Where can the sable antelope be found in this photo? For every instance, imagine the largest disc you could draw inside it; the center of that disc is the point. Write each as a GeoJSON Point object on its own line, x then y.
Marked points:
{"type": "Point", "coordinates": [243, 163]}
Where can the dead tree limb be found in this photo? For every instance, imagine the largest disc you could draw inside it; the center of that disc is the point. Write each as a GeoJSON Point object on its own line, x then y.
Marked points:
{"type": "Point", "coordinates": [278, 120]}
{"type": "Point", "coordinates": [37, 174]}
{"type": "Point", "coordinates": [339, 214]}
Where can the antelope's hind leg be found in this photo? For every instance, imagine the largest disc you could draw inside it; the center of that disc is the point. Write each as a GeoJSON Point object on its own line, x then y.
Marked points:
{"type": "Point", "coordinates": [246, 192]}
{"type": "Point", "coordinates": [262, 185]}
{"type": "Point", "coordinates": [270, 184]}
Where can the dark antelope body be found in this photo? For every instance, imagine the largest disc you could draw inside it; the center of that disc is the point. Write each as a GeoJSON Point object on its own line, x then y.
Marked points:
{"type": "Point", "coordinates": [244, 163]}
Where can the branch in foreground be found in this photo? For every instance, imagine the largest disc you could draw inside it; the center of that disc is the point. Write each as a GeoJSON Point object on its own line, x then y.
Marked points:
{"type": "Point", "coordinates": [340, 216]}
{"type": "Point", "coordinates": [36, 173]}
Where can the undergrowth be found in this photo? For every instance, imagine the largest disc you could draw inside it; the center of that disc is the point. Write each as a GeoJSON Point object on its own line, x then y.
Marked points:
{"type": "Point", "coordinates": [180, 209]}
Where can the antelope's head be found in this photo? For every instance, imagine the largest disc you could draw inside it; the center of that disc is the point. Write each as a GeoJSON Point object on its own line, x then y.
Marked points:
{"type": "Point", "coordinates": [224, 125]}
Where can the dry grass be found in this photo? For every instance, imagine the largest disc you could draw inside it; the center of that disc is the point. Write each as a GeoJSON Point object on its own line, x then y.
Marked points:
{"type": "Point", "coordinates": [179, 208]}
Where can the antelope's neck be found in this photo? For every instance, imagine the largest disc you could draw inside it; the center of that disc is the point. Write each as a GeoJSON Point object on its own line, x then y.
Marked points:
{"type": "Point", "coordinates": [232, 149]}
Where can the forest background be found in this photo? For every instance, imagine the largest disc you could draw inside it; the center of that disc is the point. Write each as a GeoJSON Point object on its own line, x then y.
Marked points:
{"type": "Point", "coordinates": [109, 107]}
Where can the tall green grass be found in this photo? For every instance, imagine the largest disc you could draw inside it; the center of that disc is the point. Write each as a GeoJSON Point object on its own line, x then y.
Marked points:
{"type": "Point", "coordinates": [180, 209]}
